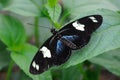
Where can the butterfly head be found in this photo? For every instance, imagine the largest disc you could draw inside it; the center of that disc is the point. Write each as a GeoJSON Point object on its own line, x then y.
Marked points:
{"type": "Point", "coordinates": [53, 31]}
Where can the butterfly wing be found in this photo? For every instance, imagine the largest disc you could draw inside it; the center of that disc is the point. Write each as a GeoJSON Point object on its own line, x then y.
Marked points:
{"type": "Point", "coordinates": [61, 52]}
{"type": "Point", "coordinates": [57, 49]}
{"type": "Point", "coordinates": [39, 64]}
{"type": "Point", "coordinates": [74, 36]}
{"type": "Point", "coordinates": [52, 52]}
{"type": "Point", "coordinates": [85, 25]}
{"type": "Point", "coordinates": [40, 61]}
{"type": "Point", "coordinates": [78, 32]}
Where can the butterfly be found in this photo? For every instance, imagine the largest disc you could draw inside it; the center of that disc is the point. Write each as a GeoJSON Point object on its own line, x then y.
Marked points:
{"type": "Point", "coordinates": [56, 50]}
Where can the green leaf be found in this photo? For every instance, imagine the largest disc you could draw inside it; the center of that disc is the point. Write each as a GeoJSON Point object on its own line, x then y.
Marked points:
{"type": "Point", "coordinates": [65, 74]}
{"type": "Point", "coordinates": [54, 13]}
{"type": "Point", "coordinates": [23, 76]}
{"type": "Point", "coordinates": [23, 7]}
{"type": "Point", "coordinates": [110, 60]}
{"type": "Point", "coordinates": [12, 32]}
{"type": "Point", "coordinates": [52, 3]}
{"type": "Point", "coordinates": [4, 3]}
{"type": "Point", "coordinates": [115, 3]}
{"type": "Point", "coordinates": [106, 38]}
{"type": "Point", "coordinates": [24, 57]}
{"type": "Point", "coordinates": [77, 7]}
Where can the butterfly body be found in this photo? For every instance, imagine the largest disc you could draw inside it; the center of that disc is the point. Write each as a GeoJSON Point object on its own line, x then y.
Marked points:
{"type": "Point", "coordinates": [57, 49]}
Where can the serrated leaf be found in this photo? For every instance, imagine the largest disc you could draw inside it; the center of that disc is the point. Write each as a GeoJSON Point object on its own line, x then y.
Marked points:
{"type": "Point", "coordinates": [12, 32]}
{"type": "Point", "coordinates": [24, 57]}
{"type": "Point", "coordinates": [23, 7]}
{"type": "Point", "coordinates": [110, 60]}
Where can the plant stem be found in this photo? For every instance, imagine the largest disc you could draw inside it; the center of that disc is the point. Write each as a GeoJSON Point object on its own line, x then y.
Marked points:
{"type": "Point", "coordinates": [81, 69]}
{"type": "Point", "coordinates": [9, 70]}
{"type": "Point", "coordinates": [36, 31]}
{"type": "Point", "coordinates": [98, 71]}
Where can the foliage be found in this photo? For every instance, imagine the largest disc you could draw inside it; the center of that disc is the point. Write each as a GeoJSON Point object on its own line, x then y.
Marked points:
{"type": "Point", "coordinates": [103, 48]}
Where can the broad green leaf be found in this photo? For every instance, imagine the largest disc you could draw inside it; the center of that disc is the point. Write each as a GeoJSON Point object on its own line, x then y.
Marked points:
{"type": "Point", "coordinates": [24, 57]}
{"type": "Point", "coordinates": [65, 74]}
{"type": "Point", "coordinates": [23, 7]}
{"type": "Point", "coordinates": [77, 7]}
{"type": "Point", "coordinates": [110, 60]}
{"type": "Point", "coordinates": [23, 76]}
{"type": "Point", "coordinates": [106, 38]}
{"type": "Point", "coordinates": [116, 3]}
{"type": "Point", "coordinates": [54, 13]}
{"type": "Point", "coordinates": [12, 32]}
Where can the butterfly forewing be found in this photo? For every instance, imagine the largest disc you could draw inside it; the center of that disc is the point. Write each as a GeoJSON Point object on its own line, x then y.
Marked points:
{"type": "Point", "coordinates": [39, 64]}
{"type": "Point", "coordinates": [41, 61]}
{"type": "Point", "coordinates": [82, 28]}
{"type": "Point", "coordinates": [57, 49]}
{"type": "Point", "coordinates": [84, 25]}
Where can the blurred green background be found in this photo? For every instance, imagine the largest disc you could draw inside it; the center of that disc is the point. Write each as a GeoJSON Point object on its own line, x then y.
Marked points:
{"type": "Point", "coordinates": [19, 41]}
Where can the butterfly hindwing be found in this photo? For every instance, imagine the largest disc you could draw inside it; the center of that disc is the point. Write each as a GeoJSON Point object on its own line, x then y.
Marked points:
{"type": "Point", "coordinates": [60, 52]}
{"type": "Point", "coordinates": [57, 49]}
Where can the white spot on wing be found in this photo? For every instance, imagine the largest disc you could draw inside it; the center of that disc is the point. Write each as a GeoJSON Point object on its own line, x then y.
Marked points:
{"type": "Point", "coordinates": [46, 52]}
{"type": "Point", "coordinates": [78, 26]}
{"type": "Point", "coordinates": [35, 65]}
{"type": "Point", "coordinates": [93, 19]}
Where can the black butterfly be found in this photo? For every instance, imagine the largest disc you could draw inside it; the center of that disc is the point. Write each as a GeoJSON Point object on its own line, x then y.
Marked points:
{"type": "Point", "coordinates": [57, 49]}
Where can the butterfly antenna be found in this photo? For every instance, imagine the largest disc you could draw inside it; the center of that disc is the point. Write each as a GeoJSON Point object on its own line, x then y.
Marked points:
{"type": "Point", "coordinates": [40, 26]}
{"type": "Point", "coordinates": [52, 21]}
